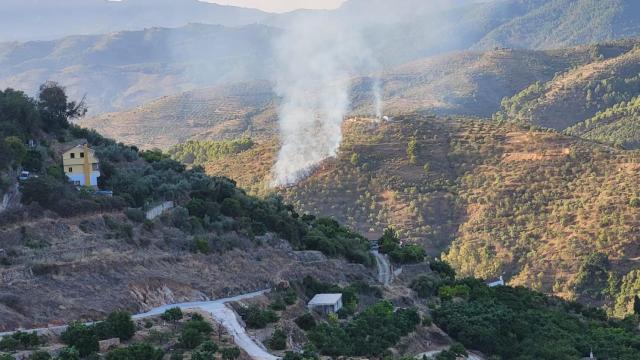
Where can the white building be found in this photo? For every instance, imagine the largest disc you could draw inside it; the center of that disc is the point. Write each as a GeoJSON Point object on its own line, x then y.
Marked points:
{"type": "Point", "coordinates": [326, 303]}
{"type": "Point", "coordinates": [499, 282]}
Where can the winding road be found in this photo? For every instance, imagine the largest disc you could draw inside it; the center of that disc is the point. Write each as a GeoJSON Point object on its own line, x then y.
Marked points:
{"type": "Point", "coordinates": [218, 310]}
{"type": "Point", "coordinates": [227, 317]}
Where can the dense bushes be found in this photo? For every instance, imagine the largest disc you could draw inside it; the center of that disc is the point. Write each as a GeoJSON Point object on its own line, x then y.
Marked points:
{"type": "Point", "coordinates": [19, 340]}
{"type": "Point", "coordinates": [136, 352]}
{"type": "Point", "coordinates": [368, 334]}
{"type": "Point", "coordinates": [517, 323]}
{"type": "Point", "coordinates": [85, 338]}
{"type": "Point", "coordinates": [400, 253]}
{"type": "Point", "coordinates": [257, 318]}
{"type": "Point", "coordinates": [331, 238]}
{"type": "Point", "coordinates": [278, 340]}
{"type": "Point", "coordinates": [201, 152]}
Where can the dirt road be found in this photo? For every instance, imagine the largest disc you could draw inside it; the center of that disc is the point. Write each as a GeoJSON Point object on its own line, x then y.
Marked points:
{"type": "Point", "coordinates": [218, 310]}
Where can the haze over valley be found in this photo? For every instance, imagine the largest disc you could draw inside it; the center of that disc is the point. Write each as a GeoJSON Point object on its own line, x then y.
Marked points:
{"type": "Point", "coordinates": [400, 179]}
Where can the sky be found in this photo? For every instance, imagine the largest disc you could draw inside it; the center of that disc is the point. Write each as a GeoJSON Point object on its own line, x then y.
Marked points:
{"type": "Point", "coordinates": [282, 5]}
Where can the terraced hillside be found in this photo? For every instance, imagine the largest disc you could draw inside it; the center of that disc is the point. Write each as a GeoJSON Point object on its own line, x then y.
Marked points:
{"type": "Point", "coordinates": [472, 83]}
{"type": "Point", "coordinates": [580, 94]}
{"type": "Point", "coordinates": [618, 125]}
{"type": "Point", "coordinates": [496, 199]}
{"type": "Point", "coordinates": [212, 113]}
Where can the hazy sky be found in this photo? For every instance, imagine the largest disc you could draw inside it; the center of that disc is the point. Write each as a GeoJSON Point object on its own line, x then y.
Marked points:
{"type": "Point", "coordinates": [282, 5]}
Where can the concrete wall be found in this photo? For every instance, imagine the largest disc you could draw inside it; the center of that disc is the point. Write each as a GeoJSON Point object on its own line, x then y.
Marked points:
{"type": "Point", "coordinates": [159, 210]}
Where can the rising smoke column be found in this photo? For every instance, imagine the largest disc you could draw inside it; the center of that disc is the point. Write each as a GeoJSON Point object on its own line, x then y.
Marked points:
{"type": "Point", "coordinates": [315, 60]}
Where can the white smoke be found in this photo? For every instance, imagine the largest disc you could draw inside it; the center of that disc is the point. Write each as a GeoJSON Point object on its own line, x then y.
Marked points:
{"type": "Point", "coordinates": [377, 98]}
{"type": "Point", "coordinates": [316, 59]}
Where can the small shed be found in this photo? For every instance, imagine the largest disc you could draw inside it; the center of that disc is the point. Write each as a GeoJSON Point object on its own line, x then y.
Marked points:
{"type": "Point", "coordinates": [496, 282]}
{"type": "Point", "coordinates": [326, 303]}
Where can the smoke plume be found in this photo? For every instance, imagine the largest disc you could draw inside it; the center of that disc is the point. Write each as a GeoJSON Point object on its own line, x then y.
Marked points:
{"type": "Point", "coordinates": [315, 60]}
{"type": "Point", "coordinates": [377, 98]}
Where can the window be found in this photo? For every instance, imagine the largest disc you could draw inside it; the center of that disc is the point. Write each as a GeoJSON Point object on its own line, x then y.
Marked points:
{"type": "Point", "coordinates": [72, 155]}
{"type": "Point", "coordinates": [70, 169]}
{"type": "Point", "coordinates": [94, 167]}
{"type": "Point", "coordinates": [81, 154]}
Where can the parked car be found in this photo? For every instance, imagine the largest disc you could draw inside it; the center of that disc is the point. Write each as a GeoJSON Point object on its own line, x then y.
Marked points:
{"type": "Point", "coordinates": [24, 175]}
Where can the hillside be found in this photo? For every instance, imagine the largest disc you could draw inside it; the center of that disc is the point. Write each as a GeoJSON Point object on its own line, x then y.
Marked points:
{"type": "Point", "coordinates": [618, 125]}
{"type": "Point", "coordinates": [64, 249]}
{"type": "Point", "coordinates": [211, 113]}
{"type": "Point", "coordinates": [472, 83]}
{"type": "Point", "coordinates": [560, 23]}
{"type": "Point", "coordinates": [74, 254]}
{"type": "Point", "coordinates": [123, 69]}
{"type": "Point", "coordinates": [579, 94]}
{"type": "Point", "coordinates": [496, 199]}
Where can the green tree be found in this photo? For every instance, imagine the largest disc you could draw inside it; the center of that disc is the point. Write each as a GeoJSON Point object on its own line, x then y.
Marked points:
{"type": "Point", "coordinates": [306, 322]}
{"type": "Point", "coordinates": [81, 337]}
{"type": "Point", "coordinates": [136, 352]}
{"type": "Point", "coordinates": [172, 315]}
{"type": "Point", "coordinates": [278, 340]}
{"type": "Point", "coordinates": [17, 149]}
{"type": "Point", "coordinates": [55, 109]}
{"type": "Point", "coordinates": [411, 151]}
{"type": "Point", "coordinates": [190, 338]}
{"type": "Point", "coordinates": [121, 325]}
{"type": "Point", "coordinates": [40, 355]}
{"type": "Point", "coordinates": [230, 353]}
{"type": "Point", "coordinates": [68, 353]}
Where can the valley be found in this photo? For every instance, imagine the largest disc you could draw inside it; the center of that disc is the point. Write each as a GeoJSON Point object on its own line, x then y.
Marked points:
{"type": "Point", "coordinates": [397, 180]}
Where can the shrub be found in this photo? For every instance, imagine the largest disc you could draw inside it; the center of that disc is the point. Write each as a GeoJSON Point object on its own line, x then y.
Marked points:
{"type": "Point", "coordinates": [137, 352]}
{"type": "Point", "coordinates": [425, 285]}
{"type": "Point", "coordinates": [278, 341]}
{"type": "Point", "coordinates": [199, 325]}
{"type": "Point", "coordinates": [8, 343]}
{"type": "Point", "coordinates": [135, 214]}
{"type": "Point", "coordinates": [19, 340]}
{"type": "Point", "coordinates": [201, 245]}
{"type": "Point", "coordinates": [449, 292]}
{"type": "Point", "coordinates": [81, 337]}
{"type": "Point", "coordinates": [306, 322]}
{"type": "Point", "coordinates": [69, 353]}
{"type": "Point", "coordinates": [121, 325]}
{"type": "Point", "coordinates": [443, 269]}
{"type": "Point", "coordinates": [172, 315]}
{"type": "Point", "coordinates": [256, 318]}
{"type": "Point", "coordinates": [206, 351]}
{"type": "Point", "coordinates": [40, 355]}
{"type": "Point", "coordinates": [231, 353]}
{"type": "Point", "coordinates": [290, 297]}
{"type": "Point", "coordinates": [191, 338]}
{"type": "Point", "coordinates": [278, 304]}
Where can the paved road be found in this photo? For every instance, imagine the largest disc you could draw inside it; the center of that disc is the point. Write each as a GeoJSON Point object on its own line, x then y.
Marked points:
{"type": "Point", "coordinates": [384, 268]}
{"type": "Point", "coordinates": [218, 310]}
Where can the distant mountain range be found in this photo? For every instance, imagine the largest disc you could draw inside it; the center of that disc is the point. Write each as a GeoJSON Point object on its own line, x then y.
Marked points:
{"type": "Point", "coordinates": [50, 19]}
{"type": "Point", "coordinates": [468, 83]}
{"type": "Point", "coordinates": [121, 70]}
{"type": "Point", "coordinates": [124, 69]}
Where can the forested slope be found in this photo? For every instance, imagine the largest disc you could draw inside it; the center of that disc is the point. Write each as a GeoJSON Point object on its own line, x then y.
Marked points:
{"type": "Point", "coordinates": [496, 199]}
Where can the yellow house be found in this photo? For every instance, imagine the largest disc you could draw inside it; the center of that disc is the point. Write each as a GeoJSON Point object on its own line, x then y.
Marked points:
{"type": "Point", "coordinates": [81, 165]}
